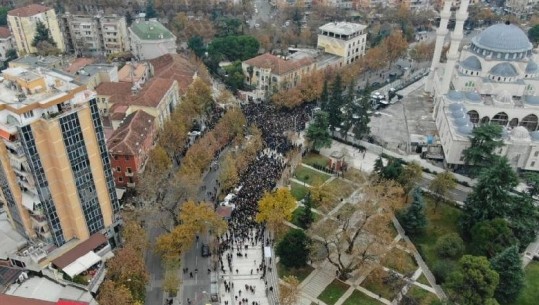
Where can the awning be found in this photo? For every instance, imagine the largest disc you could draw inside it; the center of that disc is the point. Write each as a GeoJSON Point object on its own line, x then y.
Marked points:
{"type": "Point", "coordinates": [82, 263]}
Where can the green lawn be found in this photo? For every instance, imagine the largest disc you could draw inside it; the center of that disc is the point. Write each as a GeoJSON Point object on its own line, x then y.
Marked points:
{"type": "Point", "coordinates": [375, 283]}
{"type": "Point", "coordinates": [315, 159]}
{"type": "Point", "coordinates": [341, 188]}
{"type": "Point", "coordinates": [400, 261]}
{"type": "Point", "coordinates": [359, 298]}
{"type": "Point", "coordinates": [301, 273]}
{"type": "Point", "coordinates": [422, 296]}
{"type": "Point", "coordinates": [298, 191]}
{"type": "Point", "coordinates": [423, 280]}
{"type": "Point", "coordinates": [440, 222]}
{"type": "Point", "coordinates": [298, 211]}
{"type": "Point", "coordinates": [530, 294]}
{"type": "Point", "coordinates": [333, 292]}
{"type": "Point", "coordinates": [310, 176]}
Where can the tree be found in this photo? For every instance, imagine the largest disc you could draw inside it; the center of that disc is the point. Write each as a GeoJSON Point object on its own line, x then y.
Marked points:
{"type": "Point", "coordinates": [233, 48]}
{"type": "Point", "coordinates": [483, 144]}
{"type": "Point", "coordinates": [490, 237]}
{"type": "Point", "coordinates": [150, 10]}
{"type": "Point", "coordinates": [318, 133]}
{"type": "Point", "coordinates": [392, 171]}
{"type": "Point", "coordinates": [3, 15]}
{"type": "Point", "coordinates": [533, 34]}
{"type": "Point", "coordinates": [413, 220]}
{"type": "Point", "coordinates": [293, 249]}
{"type": "Point", "coordinates": [127, 268]}
{"type": "Point", "coordinates": [234, 77]}
{"type": "Point", "coordinates": [228, 174]}
{"type": "Point", "coordinates": [532, 181]}
{"type": "Point", "coordinates": [410, 175]}
{"type": "Point", "coordinates": [357, 117]}
{"type": "Point", "coordinates": [324, 96]}
{"type": "Point", "coordinates": [171, 282]}
{"type": "Point", "coordinates": [336, 101]}
{"type": "Point", "coordinates": [508, 264]}
{"type": "Point", "coordinates": [449, 246]}
{"type": "Point", "coordinates": [199, 95]}
{"type": "Point", "coordinates": [306, 217]}
{"type": "Point", "coordinates": [134, 236]}
{"type": "Point", "coordinates": [111, 293]}
{"type": "Point", "coordinates": [194, 218]}
{"type": "Point", "coordinates": [474, 282]}
{"type": "Point", "coordinates": [43, 39]}
{"type": "Point", "coordinates": [289, 290]}
{"type": "Point", "coordinates": [491, 197]}
{"type": "Point", "coordinates": [196, 43]}
{"type": "Point", "coordinates": [523, 217]}
{"type": "Point", "coordinates": [395, 45]}
{"type": "Point", "coordinates": [441, 185]}
{"type": "Point", "coordinates": [361, 233]}
{"type": "Point", "coordinates": [275, 208]}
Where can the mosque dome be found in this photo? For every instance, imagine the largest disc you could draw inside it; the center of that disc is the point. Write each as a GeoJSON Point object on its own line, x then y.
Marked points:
{"type": "Point", "coordinates": [503, 37]}
{"type": "Point", "coordinates": [462, 121]}
{"type": "Point", "coordinates": [473, 97]}
{"type": "Point", "coordinates": [455, 95]}
{"type": "Point", "coordinates": [465, 129]}
{"type": "Point", "coordinates": [456, 106]}
{"type": "Point", "coordinates": [532, 100]}
{"type": "Point", "coordinates": [504, 69]}
{"type": "Point", "coordinates": [520, 133]}
{"type": "Point", "coordinates": [471, 63]}
{"type": "Point", "coordinates": [532, 67]}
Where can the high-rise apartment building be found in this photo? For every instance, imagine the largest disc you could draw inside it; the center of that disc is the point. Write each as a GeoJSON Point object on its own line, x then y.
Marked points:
{"type": "Point", "coordinates": [94, 35]}
{"type": "Point", "coordinates": [55, 176]}
{"type": "Point", "coordinates": [22, 22]}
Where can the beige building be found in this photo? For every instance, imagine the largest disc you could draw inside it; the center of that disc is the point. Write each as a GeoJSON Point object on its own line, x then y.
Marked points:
{"type": "Point", "coordinates": [345, 39]}
{"type": "Point", "coordinates": [55, 176]}
{"type": "Point", "coordinates": [94, 35]}
{"type": "Point", "coordinates": [22, 22]}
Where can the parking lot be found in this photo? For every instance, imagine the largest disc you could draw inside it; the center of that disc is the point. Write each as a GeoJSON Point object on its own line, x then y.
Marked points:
{"type": "Point", "coordinates": [412, 115]}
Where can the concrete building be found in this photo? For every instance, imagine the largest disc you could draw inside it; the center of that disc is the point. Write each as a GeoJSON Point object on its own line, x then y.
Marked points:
{"type": "Point", "coordinates": [55, 176]}
{"type": "Point", "coordinates": [129, 146]}
{"type": "Point", "coordinates": [22, 22]}
{"type": "Point", "coordinates": [94, 35]}
{"type": "Point", "coordinates": [494, 79]}
{"type": "Point", "coordinates": [6, 42]}
{"type": "Point", "coordinates": [150, 39]}
{"type": "Point", "coordinates": [520, 8]}
{"type": "Point", "coordinates": [344, 39]}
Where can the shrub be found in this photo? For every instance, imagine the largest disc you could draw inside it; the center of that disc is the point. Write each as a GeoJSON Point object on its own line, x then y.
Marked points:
{"type": "Point", "coordinates": [442, 269]}
{"type": "Point", "coordinates": [450, 246]}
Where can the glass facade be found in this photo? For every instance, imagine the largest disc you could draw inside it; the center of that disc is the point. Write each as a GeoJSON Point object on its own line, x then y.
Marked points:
{"type": "Point", "coordinates": [29, 145]}
{"type": "Point", "coordinates": [98, 126]}
{"type": "Point", "coordinates": [80, 165]}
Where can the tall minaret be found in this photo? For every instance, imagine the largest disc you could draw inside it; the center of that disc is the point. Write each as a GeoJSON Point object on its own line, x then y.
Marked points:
{"type": "Point", "coordinates": [440, 38]}
{"type": "Point", "coordinates": [456, 38]}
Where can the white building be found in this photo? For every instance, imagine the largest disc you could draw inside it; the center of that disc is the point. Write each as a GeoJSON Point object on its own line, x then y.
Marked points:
{"type": "Point", "coordinates": [94, 35]}
{"type": "Point", "coordinates": [494, 79]}
{"type": "Point", "coordinates": [520, 8]}
{"type": "Point", "coordinates": [6, 42]}
{"type": "Point", "coordinates": [150, 39]}
{"type": "Point", "coordinates": [344, 39]}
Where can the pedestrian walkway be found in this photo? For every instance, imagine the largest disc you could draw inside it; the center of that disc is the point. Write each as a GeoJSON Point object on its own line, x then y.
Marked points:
{"type": "Point", "coordinates": [318, 280]}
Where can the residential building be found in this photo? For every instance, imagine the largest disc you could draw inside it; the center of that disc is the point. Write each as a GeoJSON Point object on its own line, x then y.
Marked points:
{"type": "Point", "coordinates": [94, 74]}
{"type": "Point", "coordinates": [33, 61]}
{"type": "Point", "coordinates": [94, 35]}
{"type": "Point", "coordinates": [22, 22]}
{"type": "Point", "coordinates": [150, 39]}
{"type": "Point", "coordinates": [129, 146]}
{"type": "Point", "coordinates": [55, 176]}
{"type": "Point", "coordinates": [494, 79]}
{"type": "Point", "coordinates": [520, 8]}
{"type": "Point", "coordinates": [345, 39]}
{"type": "Point", "coordinates": [159, 98]}
{"type": "Point", "coordinates": [6, 42]}
{"type": "Point", "coordinates": [136, 73]}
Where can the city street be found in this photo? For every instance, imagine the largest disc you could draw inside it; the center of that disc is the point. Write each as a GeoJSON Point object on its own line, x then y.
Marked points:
{"type": "Point", "coordinates": [262, 12]}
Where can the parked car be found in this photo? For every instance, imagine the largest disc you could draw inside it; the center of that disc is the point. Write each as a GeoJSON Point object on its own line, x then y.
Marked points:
{"type": "Point", "coordinates": [205, 250]}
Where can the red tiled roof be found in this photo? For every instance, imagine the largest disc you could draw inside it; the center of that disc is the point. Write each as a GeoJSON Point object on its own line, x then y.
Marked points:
{"type": "Point", "coordinates": [277, 65]}
{"type": "Point", "coordinates": [177, 67]}
{"type": "Point", "coordinates": [29, 10]}
{"type": "Point", "coordinates": [14, 300]}
{"type": "Point", "coordinates": [128, 138]}
{"type": "Point", "coordinates": [79, 63]}
{"type": "Point", "coordinates": [79, 250]}
{"type": "Point", "coordinates": [4, 32]}
{"type": "Point", "coordinates": [118, 92]}
{"type": "Point", "coordinates": [152, 93]}
{"type": "Point", "coordinates": [68, 302]}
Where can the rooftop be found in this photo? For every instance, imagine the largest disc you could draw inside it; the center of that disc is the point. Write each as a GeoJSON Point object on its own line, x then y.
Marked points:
{"type": "Point", "coordinates": [177, 67]}
{"type": "Point", "coordinates": [41, 288]}
{"type": "Point", "coordinates": [29, 10]}
{"type": "Point", "coordinates": [10, 240]}
{"type": "Point", "coordinates": [151, 30]}
{"type": "Point", "coordinates": [4, 32]}
{"type": "Point", "coordinates": [503, 37]}
{"type": "Point", "coordinates": [79, 250]}
{"type": "Point", "coordinates": [278, 65]}
{"type": "Point", "coordinates": [32, 61]}
{"type": "Point", "coordinates": [138, 70]}
{"type": "Point", "coordinates": [79, 63]}
{"type": "Point", "coordinates": [150, 96]}
{"type": "Point", "coordinates": [134, 131]}
{"type": "Point", "coordinates": [343, 28]}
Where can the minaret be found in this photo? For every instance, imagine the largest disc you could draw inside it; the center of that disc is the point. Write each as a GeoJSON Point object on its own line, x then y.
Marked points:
{"type": "Point", "coordinates": [456, 38]}
{"type": "Point", "coordinates": [441, 32]}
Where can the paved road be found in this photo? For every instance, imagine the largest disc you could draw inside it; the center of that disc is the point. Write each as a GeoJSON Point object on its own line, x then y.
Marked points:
{"type": "Point", "coordinates": [262, 12]}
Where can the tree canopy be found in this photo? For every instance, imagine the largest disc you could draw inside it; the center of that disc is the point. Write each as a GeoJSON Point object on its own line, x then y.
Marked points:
{"type": "Point", "coordinates": [232, 48]}
{"type": "Point", "coordinates": [318, 131]}
{"type": "Point", "coordinates": [294, 248]}
{"type": "Point", "coordinates": [485, 140]}
{"type": "Point", "coordinates": [474, 282]}
{"type": "Point", "coordinates": [441, 185]}
{"type": "Point", "coordinates": [276, 207]}
{"type": "Point", "coordinates": [413, 219]}
{"type": "Point", "coordinates": [3, 15]}
{"type": "Point", "coordinates": [508, 264]}
{"type": "Point", "coordinates": [533, 34]}
{"type": "Point", "coordinates": [490, 237]}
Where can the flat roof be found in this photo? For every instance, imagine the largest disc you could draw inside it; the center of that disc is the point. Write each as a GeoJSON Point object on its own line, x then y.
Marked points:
{"type": "Point", "coordinates": [47, 290]}
{"type": "Point", "coordinates": [10, 240]}
{"type": "Point", "coordinates": [151, 30]}
{"type": "Point", "coordinates": [343, 28]}
{"type": "Point", "coordinates": [79, 250]}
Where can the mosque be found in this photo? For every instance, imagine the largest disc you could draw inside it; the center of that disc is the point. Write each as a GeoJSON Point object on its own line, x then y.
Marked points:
{"type": "Point", "coordinates": [494, 79]}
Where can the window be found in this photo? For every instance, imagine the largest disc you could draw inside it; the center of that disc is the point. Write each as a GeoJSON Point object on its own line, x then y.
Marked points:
{"type": "Point", "coordinates": [28, 114]}
{"type": "Point", "coordinates": [129, 170]}
{"type": "Point", "coordinates": [533, 163]}
{"type": "Point", "coordinates": [130, 179]}
{"type": "Point", "coordinates": [536, 154]}
{"type": "Point", "coordinates": [118, 169]}
{"type": "Point", "coordinates": [120, 179]}
{"type": "Point", "coordinates": [115, 157]}
{"type": "Point", "coordinates": [127, 158]}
